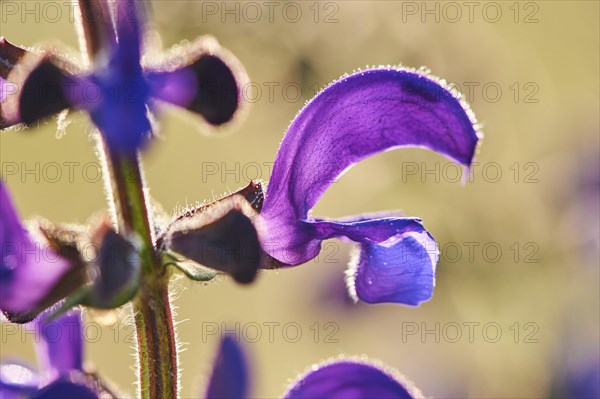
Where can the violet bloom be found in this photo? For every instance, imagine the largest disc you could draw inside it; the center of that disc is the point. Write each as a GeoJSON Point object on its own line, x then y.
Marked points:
{"type": "Point", "coordinates": [341, 379]}
{"type": "Point", "coordinates": [60, 353]}
{"type": "Point", "coordinates": [120, 92]}
{"type": "Point", "coordinates": [356, 117]}
{"type": "Point", "coordinates": [581, 383]}
{"type": "Point", "coordinates": [36, 273]}
{"type": "Point", "coordinates": [30, 270]}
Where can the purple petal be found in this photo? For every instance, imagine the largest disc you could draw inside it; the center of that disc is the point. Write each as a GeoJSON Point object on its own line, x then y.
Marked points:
{"type": "Point", "coordinates": [32, 84]}
{"type": "Point", "coordinates": [395, 263]}
{"type": "Point", "coordinates": [221, 236]}
{"type": "Point", "coordinates": [60, 348]}
{"type": "Point", "coordinates": [45, 78]}
{"type": "Point", "coordinates": [350, 380]}
{"type": "Point", "coordinates": [229, 379]}
{"type": "Point", "coordinates": [17, 381]}
{"type": "Point", "coordinates": [116, 95]}
{"type": "Point", "coordinates": [358, 116]}
{"type": "Point", "coordinates": [65, 389]}
{"type": "Point", "coordinates": [203, 78]}
{"type": "Point", "coordinates": [117, 267]}
{"type": "Point", "coordinates": [396, 260]}
{"type": "Point", "coordinates": [399, 270]}
{"type": "Point", "coordinates": [117, 102]}
{"type": "Point", "coordinates": [581, 381]}
{"type": "Point", "coordinates": [29, 270]}
{"type": "Point", "coordinates": [127, 21]}
{"type": "Point", "coordinates": [33, 91]}
{"type": "Point", "coordinates": [178, 87]}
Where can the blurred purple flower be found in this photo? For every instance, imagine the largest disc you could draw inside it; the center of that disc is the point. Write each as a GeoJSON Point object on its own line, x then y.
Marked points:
{"type": "Point", "coordinates": [342, 379]}
{"type": "Point", "coordinates": [356, 117]}
{"type": "Point", "coordinates": [29, 270]}
{"type": "Point", "coordinates": [347, 379]}
{"type": "Point", "coordinates": [118, 93]}
{"type": "Point", "coordinates": [584, 206]}
{"type": "Point", "coordinates": [59, 351]}
{"type": "Point", "coordinates": [581, 381]}
{"type": "Point", "coordinates": [229, 378]}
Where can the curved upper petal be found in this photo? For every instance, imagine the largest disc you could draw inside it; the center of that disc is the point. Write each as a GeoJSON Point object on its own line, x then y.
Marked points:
{"type": "Point", "coordinates": [229, 379]}
{"type": "Point", "coordinates": [29, 270]}
{"type": "Point", "coordinates": [358, 116]}
{"type": "Point", "coordinates": [60, 348]}
{"type": "Point", "coordinates": [350, 380]}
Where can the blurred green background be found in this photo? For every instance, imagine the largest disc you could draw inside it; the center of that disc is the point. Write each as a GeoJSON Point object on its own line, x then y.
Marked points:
{"type": "Point", "coordinates": [533, 75]}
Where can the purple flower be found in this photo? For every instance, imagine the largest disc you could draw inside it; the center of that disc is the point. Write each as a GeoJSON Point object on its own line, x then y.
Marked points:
{"type": "Point", "coordinates": [120, 92]}
{"type": "Point", "coordinates": [356, 117]}
{"type": "Point", "coordinates": [37, 273]}
{"type": "Point", "coordinates": [61, 375]}
{"type": "Point", "coordinates": [348, 379]}
{"type": "Point", "coordinates": [229, 378]}
{"type": "Point", "coordinates": [341, 379]}
{"type": "Point", "coordinates": [30, 270]}
{"type": "Point", "coordinates": [582, 383]}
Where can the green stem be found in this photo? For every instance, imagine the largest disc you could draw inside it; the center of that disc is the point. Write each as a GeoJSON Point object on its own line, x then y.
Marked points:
{"type": "Point", "coordinates": [156, 343]}
{"type": "Point", "coordinates": [157, 347]}
{"type": "Point", "coordinates": [129, 198]}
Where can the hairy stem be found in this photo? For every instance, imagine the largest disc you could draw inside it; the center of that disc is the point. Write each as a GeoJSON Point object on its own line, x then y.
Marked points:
{"type": "Point", "coordinates": [157, 348]}
{"type": "Point", "coordinates": [156, 343]}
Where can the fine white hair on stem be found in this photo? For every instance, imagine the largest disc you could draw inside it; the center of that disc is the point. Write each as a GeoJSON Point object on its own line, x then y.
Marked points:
{"type": "Point", "coordinates": [108, 184]}
{"type": "Point", "coordinates": [178, 344]}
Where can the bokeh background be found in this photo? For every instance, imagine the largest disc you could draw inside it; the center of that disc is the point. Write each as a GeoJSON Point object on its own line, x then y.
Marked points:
{"type": "Point", "coordinates": [531, 74]}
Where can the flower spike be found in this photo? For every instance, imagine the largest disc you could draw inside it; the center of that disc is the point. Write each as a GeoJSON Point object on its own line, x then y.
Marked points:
{"type": "Point", "coordinates": [120, 93]}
